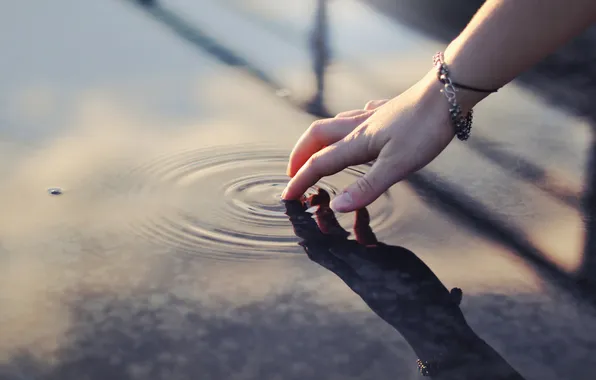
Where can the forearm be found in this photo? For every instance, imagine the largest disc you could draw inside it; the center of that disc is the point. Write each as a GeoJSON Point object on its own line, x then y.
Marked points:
{"type": "Point", "coordinates": [506, 37]}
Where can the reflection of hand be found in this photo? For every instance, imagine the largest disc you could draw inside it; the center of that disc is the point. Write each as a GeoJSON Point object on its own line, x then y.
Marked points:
{"type": "Point", "coordinates": [402, 135]}
{"type": "Point", "coordinates": [398, 287]}
{"type": "Point", "coordinates": [392, 280]}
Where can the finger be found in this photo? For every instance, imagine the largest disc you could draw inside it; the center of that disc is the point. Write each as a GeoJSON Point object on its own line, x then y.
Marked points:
{"type": "Point", "coordinates": [364, 234]}
{"type": "Point", "coordinates": [320, 134]}
{"type": "Point", "coordinates": [328, 161]}
{"type": "Point", "coordinates": [351, 113]}
{"type": "Point", "coordinates": [367, 188]}
{"type": "Point", "coordinates": [374, 104]}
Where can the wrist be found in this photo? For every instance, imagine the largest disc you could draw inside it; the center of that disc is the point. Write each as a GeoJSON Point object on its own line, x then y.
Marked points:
{"type": "Point", "coordinates": [432, 87]}
{"type": "Point", "coordinates": [448, 106]}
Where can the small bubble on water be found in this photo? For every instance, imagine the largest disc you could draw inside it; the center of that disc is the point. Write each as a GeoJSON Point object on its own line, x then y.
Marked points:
{"type": "Point", "coordinates": [283, 93]}
{"type": "Point", "coordinates": [55, 191]}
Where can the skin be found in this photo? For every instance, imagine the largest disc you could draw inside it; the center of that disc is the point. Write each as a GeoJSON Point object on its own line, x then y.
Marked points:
{"type": "Point", "coordinates": [404, 134]}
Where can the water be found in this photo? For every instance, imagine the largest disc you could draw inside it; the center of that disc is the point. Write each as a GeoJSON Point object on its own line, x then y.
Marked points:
{"type": "Point", "coordinates": [225, 202]}
{"type": "Point", "coordinates": [168, 252]}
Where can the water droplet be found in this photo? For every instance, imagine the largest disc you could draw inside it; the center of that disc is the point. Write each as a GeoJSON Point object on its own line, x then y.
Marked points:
{"type": "Point", "coordinates": [55, 191]}
{"type": "Point", "coordinates": [283, 93]}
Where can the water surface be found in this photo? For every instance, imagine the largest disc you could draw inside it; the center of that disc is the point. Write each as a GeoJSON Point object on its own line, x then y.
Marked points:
{"type": "Point", "coordinates": [169, 254]}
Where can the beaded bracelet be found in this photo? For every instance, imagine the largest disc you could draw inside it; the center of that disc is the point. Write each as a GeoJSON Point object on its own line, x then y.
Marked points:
{"type": "Point", "coordinates": [461, 123]}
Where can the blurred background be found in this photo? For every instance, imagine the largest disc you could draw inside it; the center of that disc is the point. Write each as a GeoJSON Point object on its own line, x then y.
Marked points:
{"type": "Point", "coordinates": [166, 126]}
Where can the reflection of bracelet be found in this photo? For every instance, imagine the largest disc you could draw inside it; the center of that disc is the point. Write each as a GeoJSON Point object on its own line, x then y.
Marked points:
{"type": "Point", "coordinates": [436, 366]}
{"type": "Point", "coordinates": [447, 361]}
{"type": "Point", "coordinates": [461, 123]}
{"type": "Point", "coordinates": [427, 368]}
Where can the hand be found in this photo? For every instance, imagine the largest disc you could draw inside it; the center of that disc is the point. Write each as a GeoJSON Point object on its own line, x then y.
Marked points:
{"type": "Point", "coordinates": [403, 134]}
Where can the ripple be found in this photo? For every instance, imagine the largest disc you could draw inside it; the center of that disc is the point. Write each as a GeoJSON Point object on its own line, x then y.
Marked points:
{"type": "Point", "coordinates": [225, 203]}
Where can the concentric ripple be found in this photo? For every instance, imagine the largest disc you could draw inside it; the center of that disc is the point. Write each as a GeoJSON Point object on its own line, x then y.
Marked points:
{"type": "Point", "coordinates": [225, 203]}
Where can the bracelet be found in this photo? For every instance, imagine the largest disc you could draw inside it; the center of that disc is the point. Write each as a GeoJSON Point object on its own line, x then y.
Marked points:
{"type": "Point", "coordinates": [461, 123]}
{"type": "Point", "coordinates": [465, 87]}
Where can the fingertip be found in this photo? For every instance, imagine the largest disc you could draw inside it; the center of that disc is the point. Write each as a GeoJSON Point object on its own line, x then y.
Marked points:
{"type": "Point", "coordinates": [342, 203]}
{"type": "Point", "coordinates": [291, 192]}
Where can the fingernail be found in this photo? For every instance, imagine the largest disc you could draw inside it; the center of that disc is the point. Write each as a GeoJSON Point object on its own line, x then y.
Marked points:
{"type": "Point", "coordinates": [283, 193]}
{"type": "Point", "coordinates": [341, 202]}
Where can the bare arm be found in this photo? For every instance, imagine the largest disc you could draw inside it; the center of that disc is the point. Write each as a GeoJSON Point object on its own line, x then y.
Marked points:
{"type": "Point", "coordinates": [506, 37]}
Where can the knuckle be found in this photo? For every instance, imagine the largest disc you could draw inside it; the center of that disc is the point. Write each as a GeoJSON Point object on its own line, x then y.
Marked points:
{"type": "Point", "coordinates": [314, 162]}
{"type": "Point", "coordinates": [362, 116]}
{"type": "Point", "coordinates": [370, 105]}
{"type": "Point", "coordinates": [364, 185]}
{"type": "Point", "coordinates": [373, 104]}
{"type": "Point", "coordinates": [316, 129]}
{"type": "Point", "coordinates": [358, 132]}
{"type": "Point", "coordinates": [348, 114]}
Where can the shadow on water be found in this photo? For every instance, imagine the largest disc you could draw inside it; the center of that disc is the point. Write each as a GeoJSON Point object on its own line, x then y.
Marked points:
{"type": "Point", "coordinates": [448, 198]}
{"type": "Point", "coordinates": [524, 170]}
{"type": "Point", "coordinates": [400, 289]}
{"type": "Point", "coordinates": [202, 40]}
{"type": "Point", "coordinates": [587, 273]}
{"type": "Point", "coordinates": [447, 19]}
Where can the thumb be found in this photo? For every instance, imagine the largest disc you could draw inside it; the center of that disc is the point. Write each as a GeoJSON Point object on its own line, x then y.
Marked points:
{"type": "Point", "coordinates": [367, 188]}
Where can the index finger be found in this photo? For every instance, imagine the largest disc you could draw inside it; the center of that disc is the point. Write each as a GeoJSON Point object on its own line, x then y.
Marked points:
{"type": "Point", "coordinates": [320, 134]}
{"type": "Point", "coordinates": [327, 161]}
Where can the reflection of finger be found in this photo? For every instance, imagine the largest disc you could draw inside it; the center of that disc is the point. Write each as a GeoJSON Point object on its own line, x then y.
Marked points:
{"type": "Point", "coordinates": [456, 295]}
{"type": "Point", "coordinates": [304, 225]}
{"type": "Point", "coordinates": [351, 113]}
{"type": "Point", "coordinates": [364, 234]}
{"type": "Point", "coordinates": [320, 134]}
{"type": "Point", "coordinates": [328, 224]}
{"type": "Point", "coordinates": [373, 104]}
{"type": "Point", "coordinates": [326, 220]}
{"type": "Point", "coordinates": [321, 198]}
{"type": "Point", "coordinates": [328, 161]}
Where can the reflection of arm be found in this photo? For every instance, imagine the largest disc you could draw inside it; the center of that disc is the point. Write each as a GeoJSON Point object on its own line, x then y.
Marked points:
{"type": "Point", "coordinates": [402, 290]}
{"type": "Point", "coordinates": [506, 37]}
{"type": "Point", "coordinates": [418, 306]}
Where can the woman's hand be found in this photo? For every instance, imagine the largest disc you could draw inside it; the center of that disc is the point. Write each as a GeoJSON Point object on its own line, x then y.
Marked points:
{"type": "Point", "coordinates": [403, 134]}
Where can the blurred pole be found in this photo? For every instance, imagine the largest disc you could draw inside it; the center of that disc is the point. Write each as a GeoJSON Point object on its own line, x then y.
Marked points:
{"type": "Point", "coordinates": [319, 45]}
{"type": "Point", "coordinates": [147, 3]}
{"type": "Point", "coordinates": [587, 273]}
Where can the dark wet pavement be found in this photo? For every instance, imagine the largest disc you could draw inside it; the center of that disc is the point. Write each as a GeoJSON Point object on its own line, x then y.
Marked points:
{"type": "Point", "coordinates": [169, 256]}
